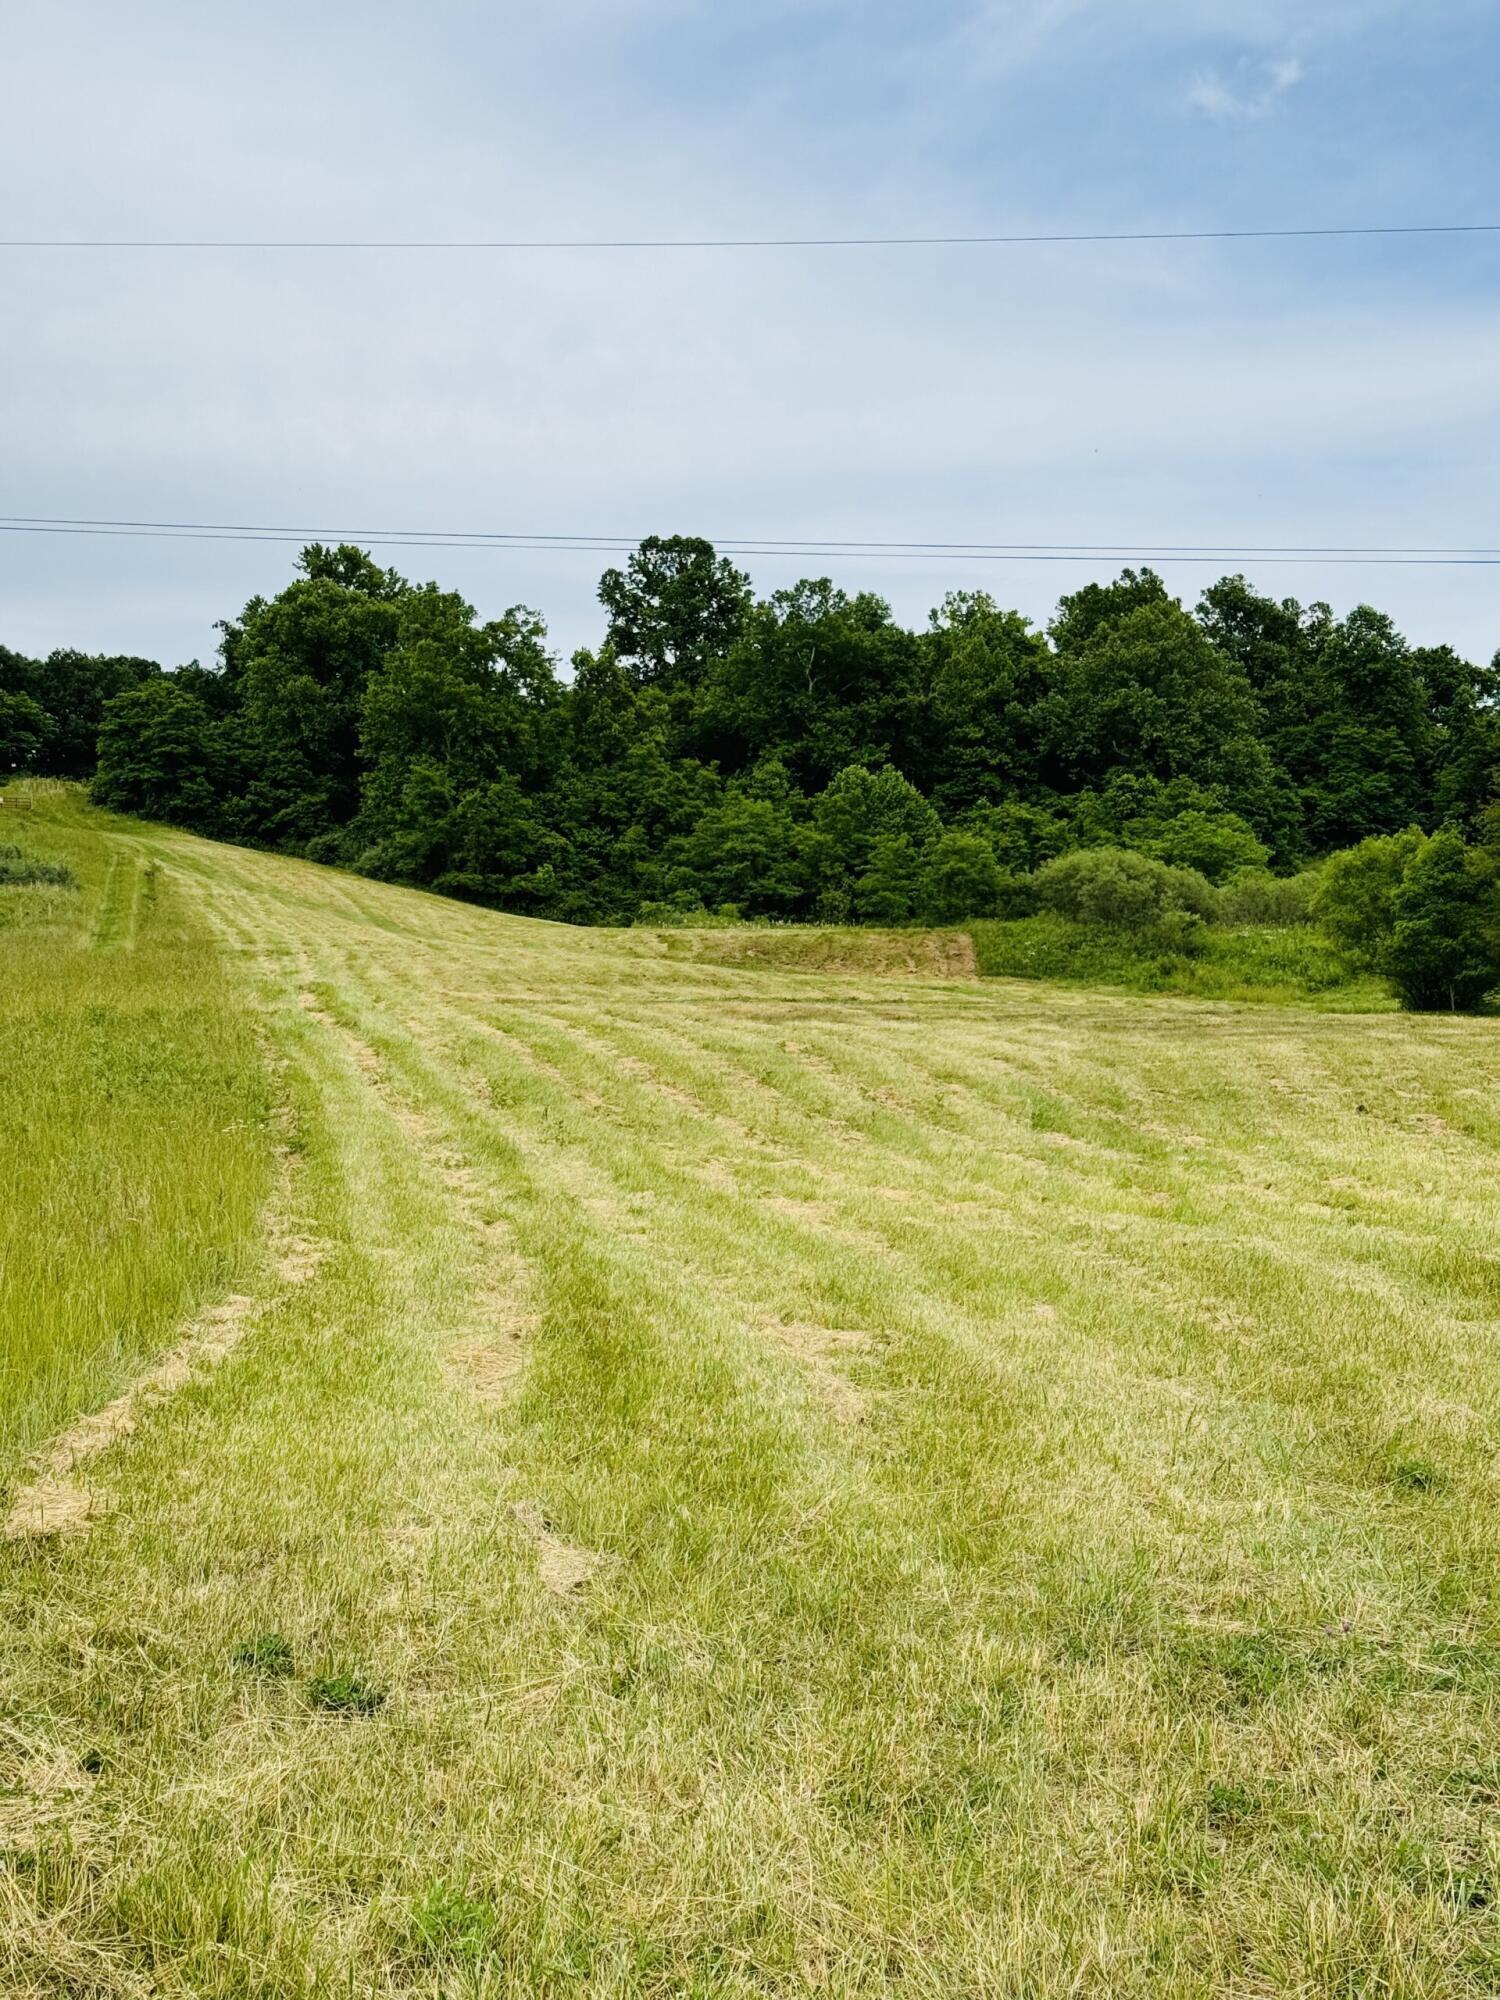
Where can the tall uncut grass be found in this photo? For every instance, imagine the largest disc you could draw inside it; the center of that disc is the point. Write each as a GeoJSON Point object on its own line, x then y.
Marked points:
{"type": "Point", "coordinates": [771, 1482]}
{"type": "Point", "coordinates": [133, 1134]}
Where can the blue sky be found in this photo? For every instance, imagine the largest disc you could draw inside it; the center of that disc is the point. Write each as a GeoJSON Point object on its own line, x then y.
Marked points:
{"type": "Point", "coordinates": [1325, 392]}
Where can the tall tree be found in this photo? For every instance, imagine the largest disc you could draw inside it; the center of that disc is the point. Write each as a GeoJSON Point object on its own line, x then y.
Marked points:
{"type": "Point", "coordinates": [1377, 742]}
{"type": "Point", "coordinates": [160, 756]}
{"type": "Point", "coordinates": [1462, 704]}
{"type": "Point", "coordinates": [298, 665]}
{"type": "Point", "coordinates": [1278, 645]}
{"type": "Point", "coordinates": [1150, 693]}
{"type": "Point", "coordinates": [1442, 947]}
{"type": "Point", "coordinates": [1083, 615]}
{"type": "Point", "coordinates": [676, 606]}
{"type": "Point", "coordinates": [819, 680]}
{"type": "Point", "coordinates": [987, 672]}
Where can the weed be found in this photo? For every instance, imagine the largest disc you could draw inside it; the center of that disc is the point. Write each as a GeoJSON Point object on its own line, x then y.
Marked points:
{"type": "Point", "coordinates": [267, 1654]}
{"type": "Point", "coordinates": [18, 869]}
{"type": "Point", "coordinates": [346, 1693]}
{"type": "Point", "coordinates": [1416, 1475]}
{"type": "Point", "coordinates": [447, 1922]}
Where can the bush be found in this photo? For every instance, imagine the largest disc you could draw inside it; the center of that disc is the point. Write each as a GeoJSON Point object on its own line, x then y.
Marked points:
{"type": "Point", "coordinates": [1213, 844]}
{"type": "Point", "coordinates": [1124, 891]}
{"type": "Point", "coordinates": [1255, 896]}
{"type": "Point", "coordinates": [960, 879]}
{"type": "Point", "coordinates": [19, 870]}
{"type": "Point", "coordinates": [685, 916]}
{"type": "Point", "coordinates": [1291, 964]}
{"type": "Point", "coordinates": [1015, 896]}
{"type": "Point", "coordinates": [1355, 898]}
{"type": "Point", "coordinates": [1441, 953]}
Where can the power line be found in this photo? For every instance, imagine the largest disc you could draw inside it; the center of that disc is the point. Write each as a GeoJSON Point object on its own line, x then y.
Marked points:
{"type": "Point", "coordinates": [824, 544]}
{"type": "Point", "coordinates": [521, 243]}
{"type": "Point", "coordinates": [996, 552]}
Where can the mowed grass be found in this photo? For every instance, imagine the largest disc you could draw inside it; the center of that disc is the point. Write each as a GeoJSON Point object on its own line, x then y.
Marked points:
{"type": "Point", "coordinates": [133, 1135]}
{"type": "Point", "coordinates": [787, 1483]}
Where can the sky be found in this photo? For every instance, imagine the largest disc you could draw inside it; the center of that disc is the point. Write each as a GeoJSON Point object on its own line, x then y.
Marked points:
{"type": "Point", "coordinates": [1240, 394]}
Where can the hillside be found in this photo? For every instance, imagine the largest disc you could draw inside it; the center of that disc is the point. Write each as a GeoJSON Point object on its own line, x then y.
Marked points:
{"type": "Point", "coordinates": [648, 1475]}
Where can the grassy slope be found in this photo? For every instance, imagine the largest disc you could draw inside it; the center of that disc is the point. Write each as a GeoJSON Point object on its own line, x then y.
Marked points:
{"type": "Point", "coordinates": [133, 1143]}
{"type": "Point", "coordinates": [848, 1487]}
{"type": "Point", "coordinates": [903, 954]}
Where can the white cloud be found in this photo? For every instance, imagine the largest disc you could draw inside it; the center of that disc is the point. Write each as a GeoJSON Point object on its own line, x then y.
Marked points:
{"type": "Point", "coordinates": [1156, 393]}
{"type": "Point", "coordinates": [1267, 84]}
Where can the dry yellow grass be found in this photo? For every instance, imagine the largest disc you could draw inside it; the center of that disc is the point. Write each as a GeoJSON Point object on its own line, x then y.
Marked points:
{"type": "Point", "coordinates": [785, 1483]}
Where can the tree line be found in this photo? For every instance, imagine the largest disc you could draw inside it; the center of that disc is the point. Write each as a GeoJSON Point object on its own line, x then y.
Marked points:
{"type": "Point", "coordinates": [800, 755]}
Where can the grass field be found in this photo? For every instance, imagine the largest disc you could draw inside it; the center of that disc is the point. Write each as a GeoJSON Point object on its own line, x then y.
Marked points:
{"type": "Point", "coordinates": [730, 1480]}
{"type": "Point", "coordinates": [133, 1124]}
{"type": "Point", "coordinates": [1291, 964]}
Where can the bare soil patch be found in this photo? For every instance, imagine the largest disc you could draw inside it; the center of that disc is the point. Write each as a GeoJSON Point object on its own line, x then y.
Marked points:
{"type": "Point", "coordinates": [563, 1567]}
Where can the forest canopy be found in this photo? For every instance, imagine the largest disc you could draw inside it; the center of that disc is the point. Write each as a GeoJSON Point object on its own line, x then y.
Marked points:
{"type": "Point", "coordinates": [795, 756]}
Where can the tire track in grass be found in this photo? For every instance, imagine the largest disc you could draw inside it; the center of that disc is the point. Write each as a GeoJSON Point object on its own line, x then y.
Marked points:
{"type": "Point", "coordinates": [491, 1363]}
{"type": "Point", "coordinates": [118, 921]}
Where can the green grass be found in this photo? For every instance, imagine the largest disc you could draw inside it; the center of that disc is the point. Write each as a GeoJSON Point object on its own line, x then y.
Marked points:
{"type": "Point", "coordinates": [1291, 965]}
{"type": "Point", "coordinates": [133, 1134]}
{"type": "Point", "coordinates": [771, 1482]}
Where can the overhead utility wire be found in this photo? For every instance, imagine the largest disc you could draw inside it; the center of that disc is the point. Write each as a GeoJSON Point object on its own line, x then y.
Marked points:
{"type": "Point", "coordinates": [1013, 240]}
{"type": "Point", "coordinates": [839, 544]}
{"type": "Point", "coordinates": [823, 544]}
{"type": "Point", "coordinates": [957, 553]}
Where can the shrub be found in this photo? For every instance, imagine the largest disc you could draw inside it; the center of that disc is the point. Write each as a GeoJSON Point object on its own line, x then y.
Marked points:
{"type": "Point", "coordinates": [1125, 891]}
{"type": "Point", "coordinates": [268, 1653]}
{"type": "Point", "coordinates": [961, 879]}
{"type": "Point", "coordinates": [888, 890]}
{"type": "Point", "coordinates": [345, 1694]}
{"type": "Point", "coordinates": [1355, 898]}
{"type": "Point", "coordinates": [19, 870]}
{"type": "Point", "coordinates": [1441, 952]}
{"type": "Point", "coordinates": [1255, 896]}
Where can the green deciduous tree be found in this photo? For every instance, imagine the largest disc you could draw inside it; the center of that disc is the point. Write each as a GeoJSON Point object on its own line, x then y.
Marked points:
{"type": "Point", "coordinates": [298, 665]}
{"type": "Point", "coordinates": [24, 729]}
{"type": "Point", "coordinates": [890, 887]}
{"type": "Point", "coordinates": [987, 673]}
{"type": "Point", "coordinates": [1442, 948]}
{"type": "Point", "coordinates": [674, 608]}
{"type": "Point", "coordinates": [960, 879]}
{"type": "Point", "coordinates": [1377, 742]}
{"type": "Point", "coordinates": [1355, 900]}
{"type": "Point", "coordinates": [160, 756]}
{"type": "Point", "coordinates": [818, 680]}
{"type": "Point", "coordinates": [1180, 822]}
{"type": "Point", "coordinates": [745, 851]}
{"type": "Point", "coordinates": [1462, 704]}
{"type": "Point", "coordinates": [1150, 693]}
{"type": "Point", "coordinates": [857, 810]}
